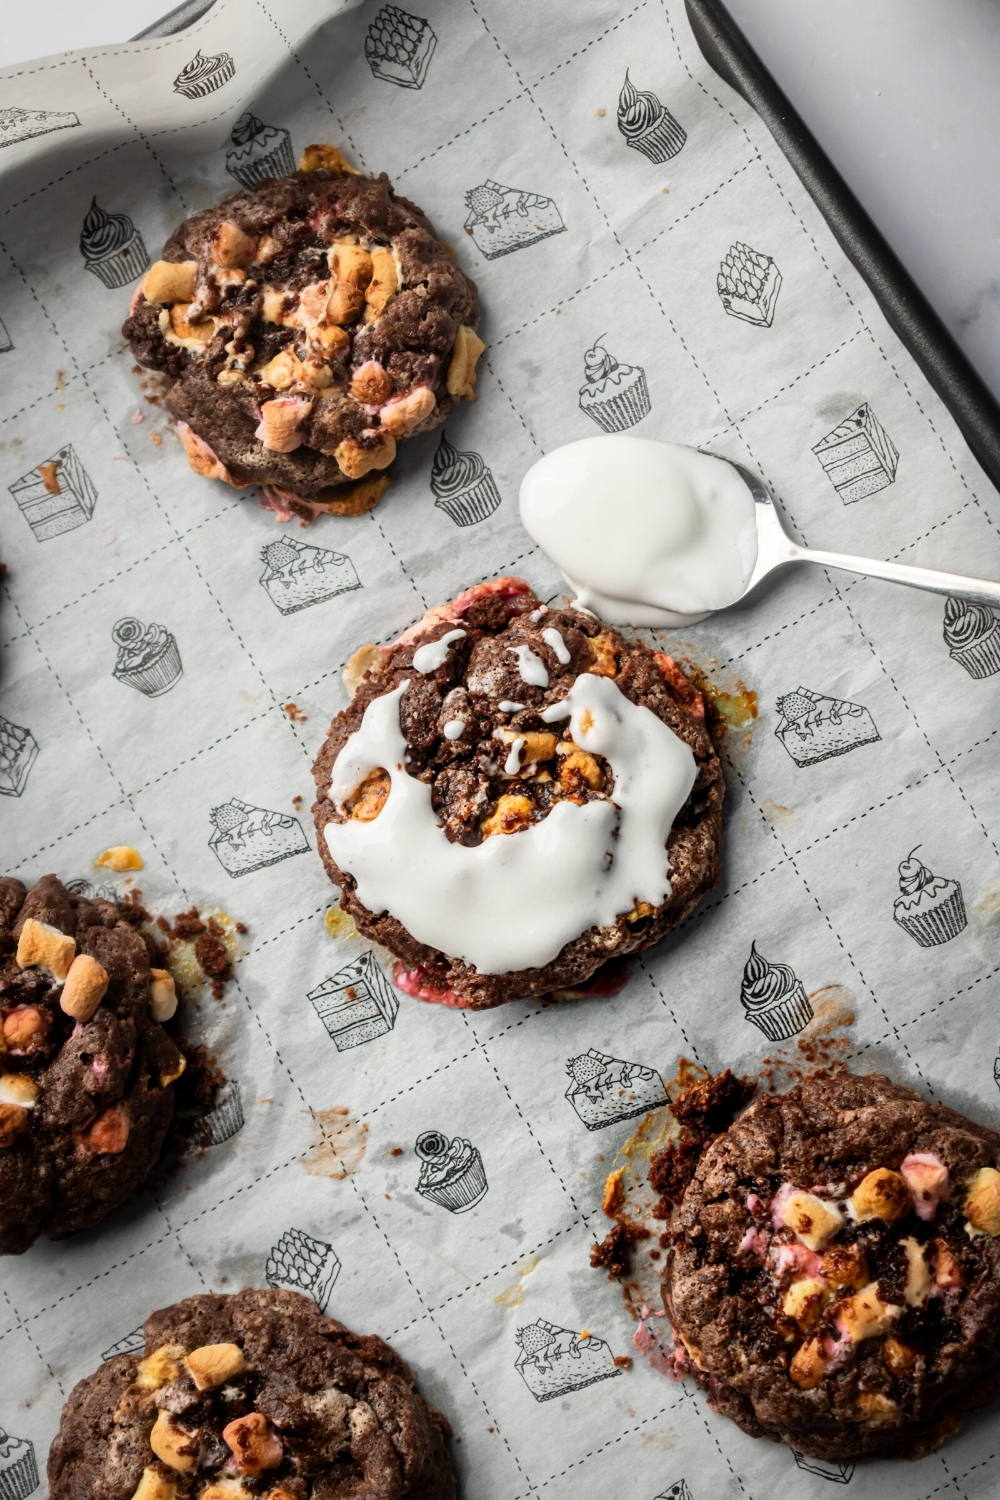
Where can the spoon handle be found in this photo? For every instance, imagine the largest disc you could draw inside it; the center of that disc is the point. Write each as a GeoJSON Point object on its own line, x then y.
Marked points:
{"type": "Point", "coordinates": [974, 590]}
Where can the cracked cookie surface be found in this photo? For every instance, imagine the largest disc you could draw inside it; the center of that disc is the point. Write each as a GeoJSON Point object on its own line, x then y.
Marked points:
{"type": "Point", "coordinates": [86, 1067]}
{"type": "Point", "coordinates": [251, 1394]}
{"type": "Point", "coordinates": [833, 1279]}
{"type": "Point", "coordinates": [306, 326]}
{"type": "Point", "coordinates": [475, 733]}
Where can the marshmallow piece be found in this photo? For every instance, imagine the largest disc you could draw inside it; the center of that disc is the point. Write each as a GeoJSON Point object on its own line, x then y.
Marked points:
{"type": "Point", "coordinates": [404, 413]}
{"type": "Point", "coordinates": [368, 658]}
{"type": "Point", "coordinates": [883, 1194]}
{"type": "Point", "coordinates": [385, 280]}
{"type": "Point", "coordinates": [350, 263]}
{"type": "Point", "coordinates": [812, 1219]}
{"type": "Point", "coordinates": [173, 1445]}
{"type": "Point", "coordinates": [85, 987]}
{"type": "Point", "coordinates": [152, 1486]}
{"type": "Point", "coordinates": [809, 1365]}
{"type": "Point", "coordinates": [231, 246]}
{"type": "Point", "coordinates": [119, 857]}
{"type": "Point", "coordinates": [234, 1489]}
{"type": "Point", "coordinates": [926, 1176]}
{"type": "Point", "coordinates": [918, 1273]}
{"type": "Point", "coordinates": [160, 1367]}
{"type": "Point", "coordinates": [323, 158]}
{"type": "Point", "coordinates": [170, 281]}
{"type": "Point", "coordinates": [865, 1315]}
{"type": "Point", "coordinates": [876, 1410]}
{"type": "Point", "coordinates": [461, 380]}
{"type": "Point", "coordinates": [982, 1201]}
{"type": "Point", "coordinates": [355, 460]}
{"type": "Point", "coordinates": [43, 947]}
{"type": "Point", "coordinates": [805, 1300]}
{"type": "Point", "coordinates": [162, 995]}
{"type": "Point", "coordinates": [168, 1078]}
{"type": "Point", "coordinates": [213, 1364]}
{"type": "Point", "coordinates": [19, 1089]}
{"type": "Point", "coordinates": [254, 1444]}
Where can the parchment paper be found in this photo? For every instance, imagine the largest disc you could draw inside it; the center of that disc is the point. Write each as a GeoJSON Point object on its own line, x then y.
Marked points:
{"type": "Point", "coordinates": [886, 740]}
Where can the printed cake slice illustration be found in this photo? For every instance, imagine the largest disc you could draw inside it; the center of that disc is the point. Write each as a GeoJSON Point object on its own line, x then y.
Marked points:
{"type": "Point", "coordinates": [555, 1361]}
{"type": "Point", "coordinates": [6, 342]}
{"type": "Point", "coordinates": [676, 1491]}
{"type": "Point", "coordinates": [823, 1468]}
{"type": "Point", "coordinates": [647, 125]}
{"type": "Point", "coordinates": [18, 749]}
{"type": "Point", "coordinates": [930, 908]}
{"type": "Point", "coordinates": [18, 1470]}
{"type": "Point", "coordinates": [258, 151]}
{"type": "Point", "coordinates": [503, 219]}
{"type": "Point", "coordinates": [452, 1172]}
{"type": "Point", "coordinates": [615, 396]}
{"type": "Point", "coordinates": [814, 726]}
{"type": "Point", "coordinates": [299, 1263]}
{"type": "Point", "coordinates": [248, 838]}
{"type": "Point", "coordinates": [23, 124]}
{"type": "Point", "coordinates": [858, 457]}
{"type": "Point", "coordinates": [148, 658]}
{"type": "Point", "coordinates": [56, 496]}
{"type": "Point", "coordinates": [357, 1004]}
{"type": "Point", "coordinates": [399, 47]}
{"type": "Point", "coordinates": [774, 998]}
{"type": "Point", "coordinates": [133, 1342]}
{"type": "Point", "coordinates": [297, 574]}
{"type": "Point", "coordinates": [606, 1089]}
{"type": "Point", "coordinates": [749, 283]}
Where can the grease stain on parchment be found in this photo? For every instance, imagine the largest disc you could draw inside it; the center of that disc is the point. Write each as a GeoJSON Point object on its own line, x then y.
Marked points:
{"type": "Point", "coordinates": [339, 1145]}
{"type": "Point", "coordinates": [513, 1296]}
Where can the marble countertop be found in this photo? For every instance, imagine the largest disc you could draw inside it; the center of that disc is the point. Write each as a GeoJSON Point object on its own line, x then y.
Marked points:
{"type": "Point", "coordinates": [904, 95]}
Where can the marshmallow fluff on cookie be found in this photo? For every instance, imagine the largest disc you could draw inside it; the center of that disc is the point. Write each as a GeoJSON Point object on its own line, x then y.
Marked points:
{"type": "Point", "coordinates": [515, 796]}
{"type": "Point", "coordinates": [646, 533]}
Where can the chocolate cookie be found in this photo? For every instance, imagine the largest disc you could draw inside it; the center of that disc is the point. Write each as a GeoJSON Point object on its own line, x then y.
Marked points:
{"type": "Point", "coordinates": [86, 1068]}
{"type": "Point", "coordinates": [833, 1279]}
{"type": "Point", "coordinates": [307, 325]}
{"type": "Point", "coordinates": [503, 799]}
{"type": "Point", "coordinates": [251, 1394]}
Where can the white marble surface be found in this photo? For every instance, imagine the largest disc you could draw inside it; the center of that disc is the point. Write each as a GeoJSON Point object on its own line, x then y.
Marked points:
{"type": "Point", "coordinates": [903, 94]}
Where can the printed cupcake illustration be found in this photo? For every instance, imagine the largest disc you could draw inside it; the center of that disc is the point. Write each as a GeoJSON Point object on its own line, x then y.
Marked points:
{"type": "Point", "coordinates": [615, 395]}
{"type": "Point", "coordinates": [972, 635]}
{"type": "Point", "coordinates": [299, 1263]}
{"type": "Point", "coordinates": [18, 1470]}
{"type": "Point", "coordinates": [399, 47]}
{"type": "Point", "coordinates": [258, 151]}
{"type": "Point", "coordinates": [604, 1090]}
{"type": "Point", "coordinates": [647, 125]}
{"type": "Point", "coordinates": [503, 219]}
{"type": "Point", "coordinates": [226, 1119]}
{"type": "Point", "coordinates": [859, 457]}
{"type": "Point", "coordinates": [749, 284]}
{"type": "Point", "coordinates": [357, 1004]}
{"type": "Point", "coordinates": [55, 496]}
{"type": "Point", "coordinates": [296, 574]}
{"type": "Point", "coordinates": [815, 727]}
{"type": "Point", "coordinates": [112, 247]}
{"type": "Point", "coordinates": [203, 75]}
{"type": "Point", "coordinates": [24, 124]}
{"type": "Point", "coordinates": [930, 908]}
{"type": "Point", "coordinates": [464, 487]}
{"type": "Point", "coordinates": [774, 998]}
{"type": "Point", "coordinates": [554, 1361]}
{"type": "Point", "coordinates": [18, 749]}
{"type": "Point", "coordinates": [249, 838]}
{"type": "Point", "coordinates": [452, 1174]}
{"type": "Point", "coordinates": [148, 658]}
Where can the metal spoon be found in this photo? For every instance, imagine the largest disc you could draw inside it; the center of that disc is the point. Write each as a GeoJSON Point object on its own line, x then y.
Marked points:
{"type": "Point", "coordinates": [775, 548]}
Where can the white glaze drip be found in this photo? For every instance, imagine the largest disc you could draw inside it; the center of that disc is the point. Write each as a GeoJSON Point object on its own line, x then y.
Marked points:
{"type": "Point", "coordinates": [552, 638]}
{"type": "Point", "coordinates": [508, 707]}
{"type": "Point", "coordinates": [428, 658]}
{"type": "Point", "coordinates": [515, 900]}
{"type": "Point", "coordinates": [513, 762]}
{"type": "Point", "coordinates": [647, 533]}
{"type": "Point", "coordinates": [530, 666]}
{"type": "Point", "coordinates": [454, 729]}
